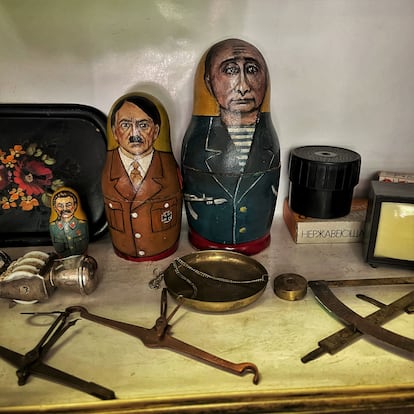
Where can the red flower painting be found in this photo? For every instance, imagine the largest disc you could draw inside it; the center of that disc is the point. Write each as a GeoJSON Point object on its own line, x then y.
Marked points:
{"type": "Point", "coordinates": [26, 178]}
{"type": "Point", "coordinates": [32, 176]}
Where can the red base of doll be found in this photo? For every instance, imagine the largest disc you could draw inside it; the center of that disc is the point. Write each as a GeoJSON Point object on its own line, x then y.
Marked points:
{"type": "Point", "coordinates": [248, 248]}
{"type": "Point", "coordinates": [154, 258]}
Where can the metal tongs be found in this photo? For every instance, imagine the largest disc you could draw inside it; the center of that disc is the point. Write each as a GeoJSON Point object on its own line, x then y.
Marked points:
{"type": "Point", "coordinates": [159, 337]}
{"type": "Point", "coordinates": [31, 362]}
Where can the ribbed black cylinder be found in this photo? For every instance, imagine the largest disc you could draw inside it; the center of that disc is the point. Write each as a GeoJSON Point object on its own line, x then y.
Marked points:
{"type": "Point", "coordinates": [322, 179]}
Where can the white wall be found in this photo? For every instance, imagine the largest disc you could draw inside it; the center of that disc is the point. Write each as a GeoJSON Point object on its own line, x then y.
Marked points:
{"type": "Point", "coordinates": [341, 70]}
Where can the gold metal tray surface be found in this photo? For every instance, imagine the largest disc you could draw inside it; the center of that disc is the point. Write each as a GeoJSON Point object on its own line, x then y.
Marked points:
{"type": "Point", "coordinates": [216, 280]}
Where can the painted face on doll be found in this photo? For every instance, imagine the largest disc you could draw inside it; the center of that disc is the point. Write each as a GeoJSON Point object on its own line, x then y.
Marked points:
{"type": "Point", "coordinates": [236, 75]}
{"type": "Point", "coordinates": [134, 130]}
{"type": "Point", "coordinates": [65, 207]}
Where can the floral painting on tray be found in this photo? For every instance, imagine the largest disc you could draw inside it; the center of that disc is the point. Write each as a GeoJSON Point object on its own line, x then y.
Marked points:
{"type": "Point", "coordinates": [43, 148]}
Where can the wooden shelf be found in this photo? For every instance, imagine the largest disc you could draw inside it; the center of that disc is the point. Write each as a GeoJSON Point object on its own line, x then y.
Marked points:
{"type": "Point", "coordinates": [272, 333]}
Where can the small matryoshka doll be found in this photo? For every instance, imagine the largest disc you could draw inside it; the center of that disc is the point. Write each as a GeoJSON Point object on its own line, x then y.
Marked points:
{"type": "Point", "coordinates": [230, 153]}
{"type": "Point", "coordinates": [141, 181]}
{"type": "Point", "coordinates": [68, 224]}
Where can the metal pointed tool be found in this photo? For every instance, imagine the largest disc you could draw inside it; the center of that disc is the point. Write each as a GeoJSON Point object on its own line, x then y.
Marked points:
{"type": "Point", "coordinates": [31, 363]}
{"type": "Point", "coordinates": [357, 325]}
{"type": "Point", "coordinates": [409, 309]}
{"type": "Point", "coordinates": [159, 337]}
{"type": "Point", "coordinates": [381, 281]}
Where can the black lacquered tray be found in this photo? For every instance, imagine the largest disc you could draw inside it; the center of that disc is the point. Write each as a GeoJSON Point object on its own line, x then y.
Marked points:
{"type": "Point", "coordinates": [43, 147]}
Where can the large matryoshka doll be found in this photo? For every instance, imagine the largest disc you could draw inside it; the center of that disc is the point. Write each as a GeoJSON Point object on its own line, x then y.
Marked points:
{"type": "Point", "coordinates": [230, 154]}
{"type": "Point", "coordinates": [141, 181]}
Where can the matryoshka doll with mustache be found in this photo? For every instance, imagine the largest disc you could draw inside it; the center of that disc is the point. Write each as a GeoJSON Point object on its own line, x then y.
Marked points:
{"type": "Point", "coordinates": [141, 181]}
{"type": "Point", "coordinates": [68, 223]}
{"type": "Point", "coordinates": [230, 153]}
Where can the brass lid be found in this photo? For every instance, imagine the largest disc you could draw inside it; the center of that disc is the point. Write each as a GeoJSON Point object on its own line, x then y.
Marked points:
{"type": "Point", "coordinates": [290, 286]}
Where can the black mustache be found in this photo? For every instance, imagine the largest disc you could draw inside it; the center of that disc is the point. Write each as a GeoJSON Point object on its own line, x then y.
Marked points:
{"type": "Point", "coordinates": [135, 139]}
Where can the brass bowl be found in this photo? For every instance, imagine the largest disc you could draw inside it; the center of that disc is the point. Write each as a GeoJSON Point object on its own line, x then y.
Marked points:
{"type": "Point", "coordinates": [216, 280]}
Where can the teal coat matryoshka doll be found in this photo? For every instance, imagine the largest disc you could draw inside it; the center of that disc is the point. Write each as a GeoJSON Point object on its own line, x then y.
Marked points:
{"type": "Point", "coordinates": [68, 224]}
{"type": "Point", "coordinates": [230, 154]}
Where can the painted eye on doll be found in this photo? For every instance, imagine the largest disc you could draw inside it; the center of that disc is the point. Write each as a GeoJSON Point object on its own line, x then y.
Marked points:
{"type": "Point", "coordinates": [125, 125]}
{"type": "Point", "coordinates": [252, 68]}
{"type": "Point", "coordinates": [231, 69]}
{"type": "Point", "coordinates": [143, 125]}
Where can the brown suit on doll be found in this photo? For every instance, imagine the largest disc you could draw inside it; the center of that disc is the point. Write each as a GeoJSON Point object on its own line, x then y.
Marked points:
{"type": "Point", "coordinates": [141, 185]}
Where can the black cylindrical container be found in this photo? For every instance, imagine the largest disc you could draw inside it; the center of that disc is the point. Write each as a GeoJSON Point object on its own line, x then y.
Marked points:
{"type": "Point", "coordinates": [322, 180]}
